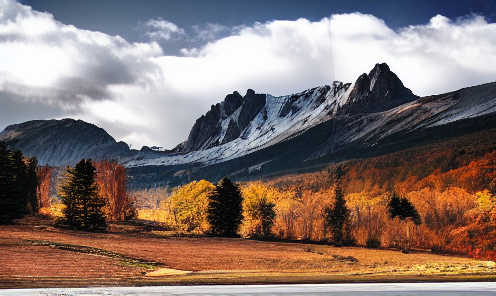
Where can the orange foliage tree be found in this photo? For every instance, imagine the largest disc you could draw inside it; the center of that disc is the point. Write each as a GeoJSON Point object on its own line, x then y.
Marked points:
{"type": "Point", "coordinates": [44, 174]}
{"type": "Point", "coordinates": [111, 181]}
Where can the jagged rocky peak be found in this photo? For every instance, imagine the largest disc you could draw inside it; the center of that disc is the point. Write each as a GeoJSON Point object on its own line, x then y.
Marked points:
{"type": "Point", "coordinates": [378, 91]}
{"type": "Point", "coordinates": [237, 110]}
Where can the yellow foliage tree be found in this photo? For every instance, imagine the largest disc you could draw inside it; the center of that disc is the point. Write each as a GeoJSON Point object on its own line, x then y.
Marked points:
{"type": "Point", "coordinates": [259, 202]}
{"type": "Point", "coordinates": [189, 204]}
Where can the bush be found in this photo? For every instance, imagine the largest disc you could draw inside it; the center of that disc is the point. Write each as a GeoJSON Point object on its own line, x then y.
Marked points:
{"type": "Point", "coordinates": [373, 243]}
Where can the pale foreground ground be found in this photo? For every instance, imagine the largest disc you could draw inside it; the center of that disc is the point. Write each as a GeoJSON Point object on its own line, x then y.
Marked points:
{"type": "Point", "coordinates": [452, 289]}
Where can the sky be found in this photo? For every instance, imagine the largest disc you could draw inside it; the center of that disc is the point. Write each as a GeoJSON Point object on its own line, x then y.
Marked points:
{"type": "Point", "coordinates": [146, 70]}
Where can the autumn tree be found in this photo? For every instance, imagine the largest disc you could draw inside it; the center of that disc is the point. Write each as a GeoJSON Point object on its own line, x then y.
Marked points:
{"type": "Point", "coordinates": [44, 174]}
{"type": "Point", "coordinates": [189, 205]}
{"type": "Point", "coordinates": [111, 181]}
{"type": "Point", "coordinates": [224, 212]}
{"type": "Point", "coordinates": [83, 207]}
{"type": "Point", "coordinates": [338, 217]}
{"type": "Point", "coordinates": [259, 209]}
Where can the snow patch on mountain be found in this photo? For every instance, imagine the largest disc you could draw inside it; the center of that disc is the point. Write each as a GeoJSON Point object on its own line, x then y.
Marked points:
{"type": "Point", "coordinates": [279, 119]}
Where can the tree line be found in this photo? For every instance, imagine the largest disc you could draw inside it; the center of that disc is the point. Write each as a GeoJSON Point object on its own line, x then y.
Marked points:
{"type": "Point", "coordinates": [92, 192]}
{"type": "Point", "coordinates": [18, 185]}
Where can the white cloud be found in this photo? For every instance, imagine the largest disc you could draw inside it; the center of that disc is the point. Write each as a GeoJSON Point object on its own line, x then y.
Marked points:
{"type": "Point", "coordinates": [140, 95]}
{"type": "Point", "coordinates": [162, 29]}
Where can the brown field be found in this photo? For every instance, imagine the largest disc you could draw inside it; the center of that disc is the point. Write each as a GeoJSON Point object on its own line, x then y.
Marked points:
{"type": "Point", "coordinates": [37, 254]}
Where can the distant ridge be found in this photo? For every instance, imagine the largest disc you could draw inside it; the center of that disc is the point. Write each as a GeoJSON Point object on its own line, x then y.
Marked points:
{"type": "Point", "coordinates": [62, 142]}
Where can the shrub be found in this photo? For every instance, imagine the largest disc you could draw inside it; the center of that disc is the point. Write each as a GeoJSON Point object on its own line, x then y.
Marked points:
{"type": "Point", "coordinates": [373, 243]}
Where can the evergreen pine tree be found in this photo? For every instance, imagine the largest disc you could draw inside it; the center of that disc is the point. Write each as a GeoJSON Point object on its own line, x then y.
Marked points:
{"type": "Point", "coordinates": [20, 189]}
{"type": "Point", "coordinates": [32, 185]}
{"type": "Point", "coordinates": [7, 203]}
{"type": "Point", "coordinates": [338, 216]}
{"type": "Point", "coordinates": [224, 212]}
{"type": "Point", "coordinates": [83, 207]}
{"type": "Point", "coordinates": [267, 214]}
{"type": "Point", "coordinates": [13, 185]}
{"type": "Point", "coordinates": [403, 208]}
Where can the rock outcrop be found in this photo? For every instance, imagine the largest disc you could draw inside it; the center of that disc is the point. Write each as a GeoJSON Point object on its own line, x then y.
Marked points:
{"type": "Point", "coordinates": [378, 91]}
{"type": "Point", "coordinates": [208, 132]}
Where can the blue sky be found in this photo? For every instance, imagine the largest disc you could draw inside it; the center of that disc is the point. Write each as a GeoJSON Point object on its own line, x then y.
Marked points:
{"type": "Point", "coordinates": [146, 70]}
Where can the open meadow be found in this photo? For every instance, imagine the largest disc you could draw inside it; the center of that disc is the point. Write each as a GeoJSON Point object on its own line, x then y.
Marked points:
{"type": "Point", "coordinates": [37, 254]}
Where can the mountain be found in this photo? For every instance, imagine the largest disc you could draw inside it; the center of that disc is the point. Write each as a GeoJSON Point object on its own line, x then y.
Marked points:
{"type": "Point", "coordinates": [373, 116]}
{"type": "Point", "coordinates": [262, 119]}
{"type": "Point", "coordinates": [259, 135]}
{"type": "Point", "coordinates": [62, 142]}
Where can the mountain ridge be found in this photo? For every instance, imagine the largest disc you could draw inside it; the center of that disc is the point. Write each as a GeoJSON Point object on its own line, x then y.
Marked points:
{"type": "Point", "coordinates": [256, 135]}
{"type": "Point", "coordinates": [62, 142]}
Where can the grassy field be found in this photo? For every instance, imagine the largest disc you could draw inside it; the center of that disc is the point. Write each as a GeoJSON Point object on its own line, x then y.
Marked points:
{"type": "Point", "coordinates": [37, 254]}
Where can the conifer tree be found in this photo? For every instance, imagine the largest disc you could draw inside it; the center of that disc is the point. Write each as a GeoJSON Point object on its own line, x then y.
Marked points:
{"type": "Point", "coordinates": [402, 208]}
{"type": "Point", "coordinates": [224, 212]}
{"type": "Point", "coordinates": [14, 185]}
{"type": "Point", "coordinates": [32, 185]}
{"type": "Point", "coordinates": [338, 216]}
{"type": "Point", "coordinates": [83, 207]}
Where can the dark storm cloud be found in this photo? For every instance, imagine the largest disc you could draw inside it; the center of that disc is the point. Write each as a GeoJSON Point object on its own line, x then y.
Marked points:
{"type": "Point", "coordinates": [74, 64]}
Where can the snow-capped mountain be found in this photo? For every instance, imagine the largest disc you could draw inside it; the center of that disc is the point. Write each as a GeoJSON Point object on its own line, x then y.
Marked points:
{"type": "Point", "coordinates": [258, 135]}
{"type": "Point", "coordinates": [373, 116]}
{"type": "Point", "coordinates": [241, 125]}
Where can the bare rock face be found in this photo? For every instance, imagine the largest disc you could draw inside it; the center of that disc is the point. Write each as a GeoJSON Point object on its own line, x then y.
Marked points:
{"type": "Point", "coordinates": [378, 91]}
{"type": "Point", "coordinates": [62, 142]}
{"type": "Point", "coordinates": [206, 132]}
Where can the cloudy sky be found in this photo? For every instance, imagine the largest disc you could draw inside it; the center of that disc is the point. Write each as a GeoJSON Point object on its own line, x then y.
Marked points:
{"type": "Point", "coordinates": [146, 70]}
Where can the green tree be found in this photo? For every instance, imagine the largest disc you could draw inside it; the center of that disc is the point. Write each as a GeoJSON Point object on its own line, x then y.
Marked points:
{"type": "Point", "coordinates": [265, 212]}
{"type": "Point", "coordinates": [14, 187]}
{"type": "Point", "coordinates": [224, 211]}
{"type": "Point", "coordinates": [32, 185]}
{"type": "Point", "coordinates": [338, 217]}
{"type": "Point", "coordinates": [83, 207]}
{"type": "Point", "coordinates": [402, 208]}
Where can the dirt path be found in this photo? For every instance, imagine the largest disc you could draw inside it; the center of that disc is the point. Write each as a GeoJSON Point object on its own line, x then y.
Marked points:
{"type": "Point", "coordinates": [40, 254]}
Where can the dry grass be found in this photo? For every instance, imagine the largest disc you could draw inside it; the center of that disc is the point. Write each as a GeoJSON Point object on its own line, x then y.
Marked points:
{"type": "Point", "coordinates": [39, 255]}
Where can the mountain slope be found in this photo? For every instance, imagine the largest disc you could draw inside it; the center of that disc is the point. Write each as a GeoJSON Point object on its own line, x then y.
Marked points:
{"type": "Point", "coordinates": [62, 142]}
{"type": "Point", "coordinates": [242, 125]}
{"type": "Point", "coordinates": [329, 124]}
